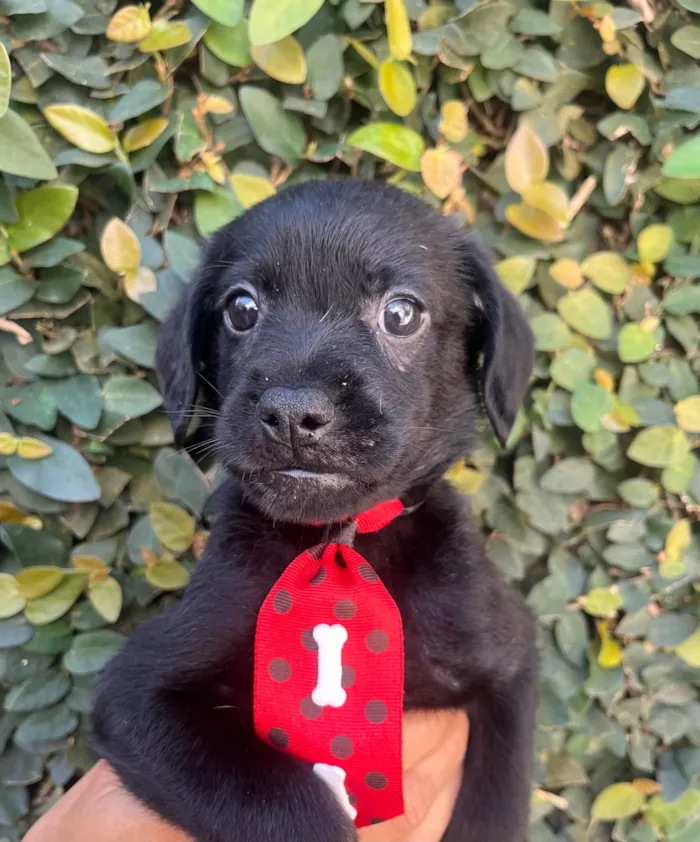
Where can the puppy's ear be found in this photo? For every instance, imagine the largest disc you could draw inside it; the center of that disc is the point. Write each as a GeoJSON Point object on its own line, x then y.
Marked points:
{"type": "Point", "coordinates": [503, 336]}
{"type": "Point", "coordinates": [180, 355]}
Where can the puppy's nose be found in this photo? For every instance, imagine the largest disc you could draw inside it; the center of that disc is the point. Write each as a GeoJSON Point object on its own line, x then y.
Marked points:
{"type": "Point", "coordinates": [295, 417]}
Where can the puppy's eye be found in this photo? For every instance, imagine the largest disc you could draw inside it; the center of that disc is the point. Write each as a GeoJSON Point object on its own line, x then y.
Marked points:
{"type": "Point", "coordinates": [401, 317]}
{"type": "Point", "coordinates": [241, 312]}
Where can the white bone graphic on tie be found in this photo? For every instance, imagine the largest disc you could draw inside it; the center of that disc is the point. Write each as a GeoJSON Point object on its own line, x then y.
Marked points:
{"type": "Point", "coordinates": [334, 776]}
{"type": "Point", "coordinates": [329, 689]}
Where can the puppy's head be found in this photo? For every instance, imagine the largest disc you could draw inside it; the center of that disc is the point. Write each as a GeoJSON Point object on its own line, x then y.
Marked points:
{"type": "Point", "coordinates": [345, 335]}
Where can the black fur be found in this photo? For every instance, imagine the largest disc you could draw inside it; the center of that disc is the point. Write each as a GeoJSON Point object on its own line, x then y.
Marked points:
{"type": "Point", "coordinates": [174, 710]}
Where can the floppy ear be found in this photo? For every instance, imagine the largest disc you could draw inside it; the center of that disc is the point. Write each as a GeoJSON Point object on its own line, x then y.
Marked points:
{"type": "Point", "coordinates": [180, 355]}
{"type": "Point", "coordinates": [504, 337]}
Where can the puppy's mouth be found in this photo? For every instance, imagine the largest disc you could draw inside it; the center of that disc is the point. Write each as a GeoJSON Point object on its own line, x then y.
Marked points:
{"type": "Point", "coordinates": [312, 478]}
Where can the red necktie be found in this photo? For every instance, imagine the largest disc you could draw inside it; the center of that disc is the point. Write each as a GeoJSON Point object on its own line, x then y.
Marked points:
{"type": "Point", "coordinates": [329, 673]}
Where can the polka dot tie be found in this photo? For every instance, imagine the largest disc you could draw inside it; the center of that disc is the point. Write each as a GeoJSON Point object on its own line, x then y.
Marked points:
{"type": "Point", "coordinates": [329, 673]}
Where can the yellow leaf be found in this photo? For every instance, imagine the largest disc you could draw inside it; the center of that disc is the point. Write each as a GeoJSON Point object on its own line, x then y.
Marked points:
{"type": "Point", "coordinates": [106, 598]}
{"type": "Point", "coordinates": [688, 414]}
{"type": "Point", "coordinates": [654, 243]}
{"type": "Point", "coordinates": [251, 189]}
{"type": "Point", "coordinates": [453, 121]}
{"type": "Point", "coordinates": [9, 513]}
{"type": "Point", "coordinates": [144, 133]}
{"type": "Point", "coordinates": [671, 569]}
{"type": "Point", "coordinates": [617, 801]}
{"type": "Point", "coordinates": [8, 444]}
{"type": "Point", "coordinates": [607, 270]}
{"type": "Point", "coordinates": [549, 198]}
{"type": "Point", "coordinates": [214, 104]}
{"type": "Point", "coordinates": [678, 540]}
{"type": "Point", "coordinates": [165, 35]}
{"type": "Point", "coordinates": [365, 52]}
{"type": "Point", "coordinates": [649, 324]}
{"type": "Point", "coordinates": [35, 582]}
{"type": "Point", "coordinates": [610, 655]}
{"type": "Point", "coordinates": [516, 272]}
{"type": "Point", "coordinates": [567, 273]}
{"type": "Point", "coordinates": [526, 160]}
{"type": "Point", "coordinates": [604, 379]}
{"type": "Point", "coordinates": [640, 276]}
{"type": "Point", "coordinates": [95, 568]}
{"type": "Point", "coordinates": [138, 281]}
{"type": "Point", "coordinates": [398, 29]}
{"type": "Point", "coordinates": [535, 223]}
{"type": "Point", "coordinates": [397, 86]}
{"type": "Point", "coordinates": [441, 170]}
{"type": "Point", "coordinates": [82, 127]}
{"type": "Point", "coordinates": [120, 247]}
{"type": "Point", "coordinates": [29, 448]}
{"type": "Point", "coordinates": [646, 786]}
{"type": "Point", "coordinates": [173, 526]}
{"type": "Point", "coordinates": [130, 24]}
{"type": "Point", "coordinates": [282, 60]}
{"type": "Point", "coordinates": [624, 84]}
{"type": "Point", "coordinates": [464, 479]}
{"type": "Point", "coordinates": [607, 29]}
{"type": "Point", "coordinates": [168, 575]}
{"type": "Point", "coordinates": [33, 522]}
{"type": "Point", "coordinates": [689, 650]}
{"type": "Point", "coordinates": [11, 602]}
{"type": "Point", "coordinates": [215, 169]}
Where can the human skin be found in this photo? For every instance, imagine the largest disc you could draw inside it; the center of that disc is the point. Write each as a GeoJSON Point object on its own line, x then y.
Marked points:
{"type": "Point", "coordinates": [99, 809]}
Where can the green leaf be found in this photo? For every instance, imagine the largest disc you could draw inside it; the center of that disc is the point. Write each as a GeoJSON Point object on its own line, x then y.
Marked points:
{"type": "Point", "coordinates": [92, 651]}
{"type": "Point", "coordinates": [5, 80]}
{"type": "Point", "coordinates": [214, 210]}
{"type": "Point", "coordinates": [64, 475]}
{"type": "Point", "coordinates": [168, 575]}
{"type": "Point", "coordinates": [617, 801]}
{"type": "Point", "coordinates": [55, 723]}
{"type": "Point", "coordinates": [173, 526]}
{"type": "Point", "coordinates": [165, 35]}
{"type": "Point", "coordinates": [607, 270]}
{"type": "Point", "coordinates": [638, 492]}
{"type": "Point", "coordinates": [136, 343]}
{"type": "Point", "coordinates": [397, 144]}
{"type": "Point", "coordinates": [588, 406]}
{"type": "Point", "coordinates": [42, 213]}
{"type": "Point", "coordinates": [21, 153]}
{"type": "Point", "coordinates": [38, 693]}
{"type": "Point", "coordinates": [141, 97]}
{"type": "Point", "coordinates": [79, 399]}
{"type": "Point", "coordinates": [277, 131]}
{"type": "Point", "coordinates": [585, 311]}
{"type": "Point", "coordinates": [659, 447]}
{"type": "Point", "coordinates": [634, 344]}
{"type": "Point", "coordinates": [568, 476]}
{"type": "Point", "coordinates": [14, 290]}
{"type": "Point", "coordinates": [229, 43]}
{"type": "Point", "coordinates": [271, 20]}
{"type": "Point", "coordinates": [106, 599]}
{"type": "Point", "coordinates": [226, 12]}
{"type": "Point", "coordinates": [90, 72]}
{"type": "Point", "coordinates": [687, 40]}
{"type": "Point", "coordinates": [35, 582]}
{"type": "Point", "coordinates": [130, 397]}
{"type": "Point", "coordinates": [684, 161]}
{"type": "Point", "coordinates": [47, 609]}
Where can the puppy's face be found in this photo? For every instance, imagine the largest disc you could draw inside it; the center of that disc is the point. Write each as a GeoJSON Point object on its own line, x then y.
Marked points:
{"type": "Point", "coordinates": [337, 329]}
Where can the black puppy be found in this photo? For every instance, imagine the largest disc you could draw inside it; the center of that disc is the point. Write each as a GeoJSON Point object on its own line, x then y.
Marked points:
{"type": "Point", "coordinates": [344, 334]}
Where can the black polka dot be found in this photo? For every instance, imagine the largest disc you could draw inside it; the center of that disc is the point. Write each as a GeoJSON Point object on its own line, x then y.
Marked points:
{"type": "Point", "coordinates": [348, 677]}
{"type": "Point", "coordinates": [283, 602]}
{"type": "Point", "coordinates": [341, 746]}
{"type": "Point", "coordinates": [345, 609]}
{"type": "Point", "coordinates": [368, 573]}
{"type": "Point", "coordinates": [352, 799]}
{"type": "Point", "coordinates": [309, 708]}
{"type": "Point", "coordinates": [280, 670]}
{"type": "Point", "coordinates": [376, 711]}
{"type": "Point", "coordinates": [307, 640]}
{"type": "Point", "coordinates": [375, 780]}
{"type": "Point", "coordinates": [377, 641]}
{"type": "Point", "coordinates": [376, 821]}
{"type": "Point", "coordinates": [318, 577]}
{"type": "Point", "coordinates": [278, 737]}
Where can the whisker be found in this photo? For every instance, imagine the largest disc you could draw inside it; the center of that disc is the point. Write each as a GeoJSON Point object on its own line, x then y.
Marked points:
{"type": "Point", "coordinates": [209, 383]}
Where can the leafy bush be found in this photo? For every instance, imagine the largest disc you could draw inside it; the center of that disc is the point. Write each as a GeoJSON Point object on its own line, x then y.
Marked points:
{"type": "Point", "coordinates": [564, 132]}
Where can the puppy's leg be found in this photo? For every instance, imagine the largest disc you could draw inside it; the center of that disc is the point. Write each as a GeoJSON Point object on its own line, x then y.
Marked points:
{"type": "Point", "coordinates": [494, 800]}
{"type": "Point", "coordinates": [192, 759]}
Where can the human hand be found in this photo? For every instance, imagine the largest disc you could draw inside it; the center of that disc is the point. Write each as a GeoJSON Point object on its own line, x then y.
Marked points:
{"type": "Point", "coordinates": [98, 809]}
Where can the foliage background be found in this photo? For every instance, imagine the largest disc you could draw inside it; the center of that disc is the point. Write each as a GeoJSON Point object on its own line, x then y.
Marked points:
{"type": "Point", "coordinates": [170, 119]}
